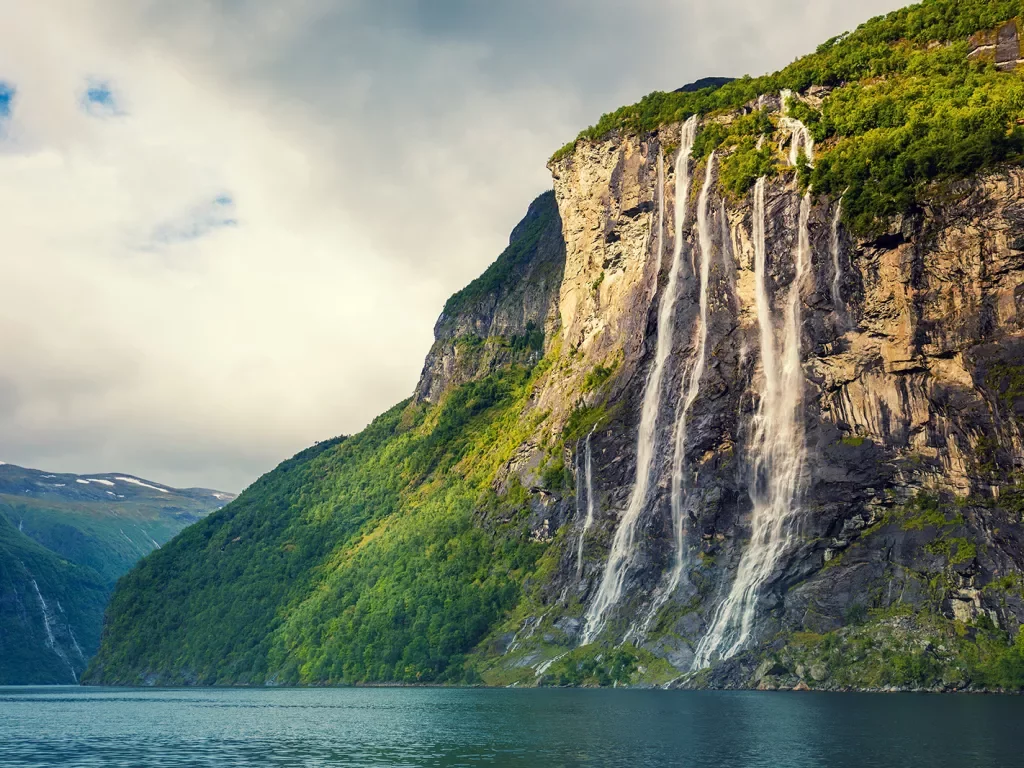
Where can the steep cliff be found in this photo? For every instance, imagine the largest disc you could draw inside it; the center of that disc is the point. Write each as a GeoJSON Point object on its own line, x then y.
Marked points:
{"type": "Point", "coordinates": [504, 316]}
{"type": "Point", "coordinates": [752, 419]}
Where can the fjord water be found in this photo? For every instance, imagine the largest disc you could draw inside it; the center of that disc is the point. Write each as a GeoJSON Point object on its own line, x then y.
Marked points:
{"type": "Point", "coordinates": [67, 726]}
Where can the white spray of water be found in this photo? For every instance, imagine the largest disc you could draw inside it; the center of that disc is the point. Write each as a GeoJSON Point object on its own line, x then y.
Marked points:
{"type": "Point", "coordinates": [51, 641]}
{"type": "Point", "coordinates": [837, 270]}
{"type": "Point", "coordinates": [71, 633]}
{"type": "Point", "coordinates": [588, 484]}
{"type": "Point", "coordinates": [529, 627]}
{"type": "Point", "coordinates": [777, 447]}
{"type": "Point", "coordinates": [688, 396]}
{"type": "Point", "coordinates": [799, 135]}
{"type": "Point", "coordinates": [545, 666]}
{"type": "Point", "coordinates": [622, 552]}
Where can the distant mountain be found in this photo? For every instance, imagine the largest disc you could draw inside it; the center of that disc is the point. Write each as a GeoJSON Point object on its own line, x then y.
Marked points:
{"type": "Point", "coordinates": [64, 541]}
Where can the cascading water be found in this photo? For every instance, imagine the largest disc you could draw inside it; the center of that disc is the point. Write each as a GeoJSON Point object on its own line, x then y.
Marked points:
{"type": "Point", "coordinates": [620, 558]}
{"type": "Point", "coordinates": [688, 395]}
{"type": "Point", "coordinates": [777, 445]}
{"type": "Point", "coordinates": [48, 621]}
{"type": "Point", "coordinates": [837, 270]}
{"type": "Point", "coordinates": [690, 391]}
{"type": "Point", "coordinates": [588, 482]}
{"type": "Point", "coordinates": [799, 135]}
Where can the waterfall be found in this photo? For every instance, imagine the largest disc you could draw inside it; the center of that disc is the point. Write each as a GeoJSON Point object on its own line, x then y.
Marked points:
{"type": "Point", "coordinates": [687, 396]}
{"type": "Point", "coordinates": [691, 387]}
{"type": "Point", "coordinates": [777, 447]}
{"type": "Point", "coordinates": [620, 557]}
{"type": "Point", "coordinates": [798, 134]}
{"type": "Point", "coordinates": [661, 214]}
{"type": "Point", "coordinates": [837, 271]}
{"type": "Point", "coordinates": [588, 481]}
{"type": "Point", "coordinates": [48, 620]}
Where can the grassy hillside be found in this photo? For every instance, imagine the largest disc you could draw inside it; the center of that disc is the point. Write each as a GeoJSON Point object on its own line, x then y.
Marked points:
{"type": "Point", "coordinates": [384, 556]}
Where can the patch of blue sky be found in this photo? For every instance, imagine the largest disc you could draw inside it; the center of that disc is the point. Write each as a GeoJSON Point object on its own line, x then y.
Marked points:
{"type": "Point", "coordinates": [198, 222]}
{"type": "Point", "coordinates": [7, 93]}
{"type": "Point", "coordinates": [99, 100]}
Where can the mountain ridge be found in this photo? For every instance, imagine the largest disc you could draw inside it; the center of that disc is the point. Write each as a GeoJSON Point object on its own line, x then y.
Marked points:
{"type": "Point", "coordinates": [766, 430]}
{"type": "Point", "coordinates": [64, 540]}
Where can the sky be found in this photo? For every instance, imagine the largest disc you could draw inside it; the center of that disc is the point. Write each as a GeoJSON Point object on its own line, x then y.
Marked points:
{"type": "Point", "coordinates": [229, 226]}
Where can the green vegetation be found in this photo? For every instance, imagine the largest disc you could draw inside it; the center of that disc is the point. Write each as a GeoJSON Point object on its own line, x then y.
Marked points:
{"type": "Point", "coordinates": [583, 420]}
{"type": "Point", "coordinates": [385, 557]}
{"type": "Point", "coordinates": [926, 511]}
{"type": "Point", "coordinates": [598, 375]}
{"type": "Point", "coordinates": [107, 537]}
{"type": "Point", "coordinates": [904, 113]}
{"type": "Point", "coordinates": [512, 260]}
{"type": "Point", "coordinates": [26, 566]}
{"type": "Point", "coordinates": [906, 647]}
{"type": "Point", "coordinates": [1006, 382]}
{"type": "Point", "coordinates": [532, 340]}
{"type": "Point", "coordinates": [593, 666]}
{"type": "Point", "coordinates": [71, 540]}
{"type": "Point", "coordinates": [956, 550]}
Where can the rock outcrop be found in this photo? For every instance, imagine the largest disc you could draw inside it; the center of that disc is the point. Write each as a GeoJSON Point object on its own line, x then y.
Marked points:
{"type": "Point", "coordinates": [912, 350]}
{"type": "Point", "coordinates": [507, 314]}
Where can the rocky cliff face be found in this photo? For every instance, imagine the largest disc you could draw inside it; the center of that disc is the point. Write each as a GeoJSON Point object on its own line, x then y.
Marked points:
{"type": "Point", "coordinates": [905, 512]}
{"type": "Point", "coordinates": [506, 314]}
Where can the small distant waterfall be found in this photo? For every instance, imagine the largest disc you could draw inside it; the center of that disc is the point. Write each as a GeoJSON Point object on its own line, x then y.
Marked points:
{"type": "Point", "coordinates": [799, 135]}
{"type": "Point", "coordinates": [48, 621]}
{"type": "Point", "coordinates": [837, 270]}
{"type": "Point", "coordinates": [588, 484]}
{"type": "Point", "coordinates": [777, 447]}
{"type": "Point", "coordinates": [620, 558]}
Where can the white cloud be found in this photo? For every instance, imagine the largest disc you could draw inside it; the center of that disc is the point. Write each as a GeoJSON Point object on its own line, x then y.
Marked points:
{"type": "Point", "coordinates": [238, 245]}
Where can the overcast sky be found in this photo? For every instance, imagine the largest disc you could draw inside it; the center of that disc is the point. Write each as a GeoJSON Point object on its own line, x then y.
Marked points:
{"type": "Point", "coordinates": [229, 226]}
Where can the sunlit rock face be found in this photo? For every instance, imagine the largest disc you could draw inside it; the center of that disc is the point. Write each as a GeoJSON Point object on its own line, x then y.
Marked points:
{"type": "Point", "coordinates": [911, 359]}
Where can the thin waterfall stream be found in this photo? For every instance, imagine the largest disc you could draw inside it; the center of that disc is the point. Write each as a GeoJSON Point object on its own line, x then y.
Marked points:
{"type": "Point", "coordinates": [777, 447]}
{"type": "Point", "coordinates": [622, 553]}
{"type": "Point", "coordinates": [688, 395]}
{"type": "Point", "coordinates": [837, 270]}
{"type": "Point", "coordinates": [588, 484]}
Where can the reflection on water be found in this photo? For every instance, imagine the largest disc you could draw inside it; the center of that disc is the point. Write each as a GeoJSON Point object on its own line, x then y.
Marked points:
{"type": "Point", "coordinates": [442, 728]}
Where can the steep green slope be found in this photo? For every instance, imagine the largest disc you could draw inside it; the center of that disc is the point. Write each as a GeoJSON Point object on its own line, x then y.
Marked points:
{"type": "Point", "coordinates": [49, 612]}
{"type": "Point", "coordinates": [64, 541]}
{"type": "Point", "coordinates": [384, 556]}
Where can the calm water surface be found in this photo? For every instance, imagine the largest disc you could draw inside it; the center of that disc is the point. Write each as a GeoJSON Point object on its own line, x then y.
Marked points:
{"type": "Point", "coordinates": [425, 727]}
